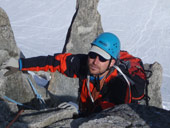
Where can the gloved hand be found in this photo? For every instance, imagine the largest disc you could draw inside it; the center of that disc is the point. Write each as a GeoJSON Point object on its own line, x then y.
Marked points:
{"type": "Point", "coordinates": [69, 106]}
{"type": "Point", "coordinates": [12, 65]}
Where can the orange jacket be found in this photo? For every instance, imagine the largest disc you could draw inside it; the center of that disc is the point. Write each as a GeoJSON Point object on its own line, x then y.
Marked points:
{"type": "Point", "coordinates": [114, 88]}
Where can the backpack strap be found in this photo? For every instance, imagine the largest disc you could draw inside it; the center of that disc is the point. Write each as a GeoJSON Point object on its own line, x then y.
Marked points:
{"type": "Point", "coordinates": [88, 87]}
{"type": "Point", "coordinates": [126, 79]}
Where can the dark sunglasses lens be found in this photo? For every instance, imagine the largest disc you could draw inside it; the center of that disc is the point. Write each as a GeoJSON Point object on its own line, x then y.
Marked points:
{"type": "Point", "coordinates": [93, 55]}
{"type": "Point", "coordinates": [102, 59]}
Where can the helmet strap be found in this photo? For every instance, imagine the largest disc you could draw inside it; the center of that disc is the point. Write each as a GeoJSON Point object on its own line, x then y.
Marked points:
{"type": "Point", "coordinates": [108, 67]}
{"type": "Point", "coordinates": [109, 63]}
{"type": "Point", "coordinates": [97, 82]}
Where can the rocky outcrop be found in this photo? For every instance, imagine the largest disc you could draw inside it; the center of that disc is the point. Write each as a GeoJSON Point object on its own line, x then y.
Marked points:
{"type": "Point", "coordinates": [15, 86]}
{"type": "Point", "coordinates": [122, 116]}
{"type": "Point", "coordinates": [126, 116]}
{"type": "Point", "coordinates": [85, 27]}
{"type": "Point", "coordinates": [154, 72]}
{"type": "Point", "coordinates": [7, 41]}
{"type": "Point", "coordinates": [8, 48]}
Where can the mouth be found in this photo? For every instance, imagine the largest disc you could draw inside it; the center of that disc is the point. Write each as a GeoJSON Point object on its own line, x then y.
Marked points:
{"type": "Point", "coordinates": [93, 67]}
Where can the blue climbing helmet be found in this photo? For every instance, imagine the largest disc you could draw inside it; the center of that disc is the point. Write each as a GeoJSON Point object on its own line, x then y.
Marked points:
{"type": "Point", "coordinates": [109, 43]}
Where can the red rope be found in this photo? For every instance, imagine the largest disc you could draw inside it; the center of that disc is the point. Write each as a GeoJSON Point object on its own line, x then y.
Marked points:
{"type": "Point", "coordinates": [16, 117]}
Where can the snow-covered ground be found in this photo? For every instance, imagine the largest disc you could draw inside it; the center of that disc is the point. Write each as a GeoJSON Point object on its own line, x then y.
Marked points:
{"type": "Point", "coordinates": [143, 27]}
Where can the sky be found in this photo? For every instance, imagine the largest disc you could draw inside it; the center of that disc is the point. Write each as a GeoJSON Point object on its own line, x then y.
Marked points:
{"type": "Point", "coordinates": [142, 26]}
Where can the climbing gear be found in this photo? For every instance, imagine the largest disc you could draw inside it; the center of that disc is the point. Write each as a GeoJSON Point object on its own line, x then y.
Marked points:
{"type": "Point", "coordinates": [88, 87]}
{"type": "Point", "coordinates": [109, 43]}
{"type": "Point", "coordinates": [38, 96]}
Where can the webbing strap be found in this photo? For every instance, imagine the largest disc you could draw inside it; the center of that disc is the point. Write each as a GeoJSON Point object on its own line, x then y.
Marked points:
{"type": "Point", "coordinates": [18, 103]}
{"type": "Point", "coordinates": [125, 77]}
{"type": "Point", "coordinates": [11, 100]}
{"type": "Point", "coordinates": [38, 96]}
{"type": "Point", "coordinates": [88, 87]}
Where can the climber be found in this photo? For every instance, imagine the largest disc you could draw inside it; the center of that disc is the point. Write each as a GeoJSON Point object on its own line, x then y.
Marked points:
{"type": "Point", "coordinates": [104, 80]}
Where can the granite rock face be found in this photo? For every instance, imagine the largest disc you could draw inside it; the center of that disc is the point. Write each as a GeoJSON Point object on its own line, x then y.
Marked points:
{"type": "Point", "coordinates": [85, 27]}
{"type": "Point", "coordinates": [7, 41]}
{"type": "Point", "coordinates": [127, 116]}
{"type": "Point", "coordinates": [16, 85]}
{"type": "Point", "coordinates": [122, 116]}
{"type": "Point", "coordinates": [154, 72]}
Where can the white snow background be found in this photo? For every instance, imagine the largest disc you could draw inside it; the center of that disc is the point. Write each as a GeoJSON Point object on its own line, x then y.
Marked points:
{"type": "Point", "coordinates": [143, 26]}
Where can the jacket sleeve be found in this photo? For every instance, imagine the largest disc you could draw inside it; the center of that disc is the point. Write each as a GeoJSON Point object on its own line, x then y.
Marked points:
{"type": "Point", "coordinates": [66, 64]}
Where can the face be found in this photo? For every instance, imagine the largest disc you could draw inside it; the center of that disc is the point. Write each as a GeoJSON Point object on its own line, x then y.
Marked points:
{"type": "Point", "coordinates": [97, 64]}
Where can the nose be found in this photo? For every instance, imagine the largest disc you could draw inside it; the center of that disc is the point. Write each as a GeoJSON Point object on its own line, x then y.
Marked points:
{"type": "Point", "coordinates": [96, 60]}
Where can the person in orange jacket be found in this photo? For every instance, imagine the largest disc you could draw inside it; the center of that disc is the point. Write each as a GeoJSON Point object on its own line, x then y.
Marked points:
{"type": "Point", "coordinates": [103, 83]}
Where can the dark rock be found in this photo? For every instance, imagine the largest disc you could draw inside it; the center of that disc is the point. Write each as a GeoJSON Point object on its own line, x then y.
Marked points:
{"type": "Point", "coordinates": [6, 110]}
{"type": "Point", "coordinates": [127, 116]}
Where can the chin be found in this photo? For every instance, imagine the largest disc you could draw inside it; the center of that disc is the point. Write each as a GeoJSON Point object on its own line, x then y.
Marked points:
{"type": "Point", "coordinates": [94, 72]}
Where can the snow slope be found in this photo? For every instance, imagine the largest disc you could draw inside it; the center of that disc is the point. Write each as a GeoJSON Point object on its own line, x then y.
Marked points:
{"type": "Point", "coordinates": [143, 27]}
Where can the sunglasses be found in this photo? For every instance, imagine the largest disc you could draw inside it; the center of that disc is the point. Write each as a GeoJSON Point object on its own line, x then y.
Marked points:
{"type": "Point", "coordinates": [93, 55]}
